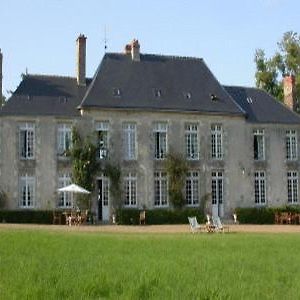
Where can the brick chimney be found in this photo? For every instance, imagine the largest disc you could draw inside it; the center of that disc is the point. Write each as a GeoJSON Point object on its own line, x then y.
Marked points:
{"type": "Point", "coordinates": [1, 59]}
{"type": "Point", "coordinates": [135, 50]}
{"type": "Point", "coordinates": [289, 92]}
{"type": "Point", "coordinates": [80, 57]}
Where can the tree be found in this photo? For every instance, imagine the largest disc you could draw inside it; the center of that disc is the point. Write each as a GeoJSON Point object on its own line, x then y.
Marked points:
{"type": "Point", "coordinates": [2, 100]}
{"type": "Point", "coordinates": [285, 61]}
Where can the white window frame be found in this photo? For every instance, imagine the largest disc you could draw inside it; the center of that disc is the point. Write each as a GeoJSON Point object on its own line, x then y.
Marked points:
{"type": "Point", "coordinates": [217, 187]}
{"type": "Point", "coordinates": [27, 191]}
{"type": "Point", "coordinates": [64, 138]}
{"type": "Point", "coordinates": [292, 187]}
{"type": "Point", "coordinates": [27, 146]}
{"type": "Point", "coordinates": [64, 198]}
{"type": "Point", "coordinates": [161, 195]}
{"type": "Point", "coordinates": [260, 196]}
{"type": "Point", "coordinates": [160, 140]}
{"type": "Point", "coordinates": [191, 141]}
{"type": "Point", "coordinates": [291, 145]}
{"type": "Point", "coordinates": [259, 149]}
{"type": "Point", "coordinates": [130, 190]}
{"type": "Point", "coordinates": [102, 128]}
{"type": "Point", "coordinates": [192, 188]}
{"type": "Point", "coordinates": [129, 140]}
{"type": "Point", "coordinates": [216, 141]}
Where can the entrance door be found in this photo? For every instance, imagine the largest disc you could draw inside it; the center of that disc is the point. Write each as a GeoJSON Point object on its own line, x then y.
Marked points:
{"type": "Point", "coordinates": [103, 194]}
{"type": "Point", "coordinates": [217, 193]}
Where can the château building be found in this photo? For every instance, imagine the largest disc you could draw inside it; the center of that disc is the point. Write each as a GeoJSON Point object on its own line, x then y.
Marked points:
{"type": "Point", "coordinates": [240, 144]}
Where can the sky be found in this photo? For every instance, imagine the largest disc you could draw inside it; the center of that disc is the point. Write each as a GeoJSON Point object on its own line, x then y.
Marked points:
{"type": "Point", "coordinates": [39, 36]}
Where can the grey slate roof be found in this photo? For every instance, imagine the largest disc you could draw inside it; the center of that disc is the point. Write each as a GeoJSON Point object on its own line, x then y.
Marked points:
{"type": "Point", "coordinates": [262, 107]}
{"type": "Point", "coordinates": [175, 77]}
{"type": "Point", "coordinates": [45, 95]}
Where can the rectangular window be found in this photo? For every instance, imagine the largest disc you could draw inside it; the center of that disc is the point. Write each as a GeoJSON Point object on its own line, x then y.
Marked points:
{"type": "Point", "coordinates": [64, 198]}
{"type": "Point", "coordinates": [191, 141]}
{"type": "Point", "coordinates": [259, 144]}
{"type": "Point", "coordinates": [160, 140]}
{"type": "Point", "coordinates": [292, 185]}
{"type": "Point", "coordinates": [217, 187]}
{"type": "Point", "coordinates": [160, 189]}
{"type": "Point", "coordinates": [129, 141]}
{"type": "Point", "coordinates": [216, 141]}
{"type": "Point", "coordinates": [27, 191]}
{"type": "Point", "coordinates": [130, 189]}
{"type": "Point", "coordinates": [64, 139]}
{"type": "Point", "coordinates": [27, 141]}
{"type": "Point", "coordinates": [192, 188]}
{"type": "Point", "coordinates": [260, 187]}
{"type": "Point", "coordinates": [291, 145]}
{"type": "Point", "coordinates": [102, 129]}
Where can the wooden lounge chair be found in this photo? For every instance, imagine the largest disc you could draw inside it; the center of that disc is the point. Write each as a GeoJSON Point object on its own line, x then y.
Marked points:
{"type": "Point", "coordinates": [210, 226]}
{"type": "Point", "coordinates": [195, 226]}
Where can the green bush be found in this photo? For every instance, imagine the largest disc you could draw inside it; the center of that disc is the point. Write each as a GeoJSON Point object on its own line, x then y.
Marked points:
{"type": "Point", "coordinates": [254, 215]}
{"type": "Point", "coordinates": [158, 216]}
{"type": "Point", "coordinates": [262, 215]}
{"type": "Point", "coordinates": [26, 216]}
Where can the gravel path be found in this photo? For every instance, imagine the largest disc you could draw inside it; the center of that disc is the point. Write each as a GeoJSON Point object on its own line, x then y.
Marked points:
{"type": "Point", "coordinates": [151, 228]}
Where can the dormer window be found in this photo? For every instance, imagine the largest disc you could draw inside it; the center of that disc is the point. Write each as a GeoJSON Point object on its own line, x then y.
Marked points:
{"type": "Point", "coordinates": [187, 95]}
{"type": "Point", "coordinates": [157, 93]}
{"type": "Point", "coordinates": [116, 92]}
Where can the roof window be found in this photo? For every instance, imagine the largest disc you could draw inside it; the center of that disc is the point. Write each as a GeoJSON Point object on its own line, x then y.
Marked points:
{"type": "Point", "coordinates": [63, 99]}
{"type": "Point", "coordinates": [157, 93]}
{"type": "Point", "coordinates": [116, 92]}
{"type": "Point", "coordinates": [249, 100]}
{"type": "Point", "coordinates": [213, 97]}
{"type": "Point", "coordinates": [187, 95]}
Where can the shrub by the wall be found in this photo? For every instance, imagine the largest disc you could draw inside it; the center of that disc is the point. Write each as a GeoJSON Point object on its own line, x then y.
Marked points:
{"type": "Point", "coordinates": [159, 216]}
{"type": "Point", "coordinates": [253, 215]}
{"type": "Point", "coordinates": [26, 216]}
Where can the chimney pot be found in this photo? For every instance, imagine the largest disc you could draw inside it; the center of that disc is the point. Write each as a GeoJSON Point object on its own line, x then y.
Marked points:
{"type": "Point", "coordinates": [81, 60]}
{"type": "Point", "coordinates": [1, 77]}
{"type": "Point", "coordinates": [289, 92]}
{"type": "Point", "coordinates": [135, 50]}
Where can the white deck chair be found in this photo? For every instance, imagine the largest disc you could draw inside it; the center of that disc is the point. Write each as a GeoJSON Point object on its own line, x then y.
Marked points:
{"type": "Point", "coordinates": [195, 226]}
{"type": "Point", "coordinates": [219, 226]}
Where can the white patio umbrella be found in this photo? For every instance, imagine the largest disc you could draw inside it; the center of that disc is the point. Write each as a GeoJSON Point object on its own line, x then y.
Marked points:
{"type": "Point", "coordinates": [74, 188]}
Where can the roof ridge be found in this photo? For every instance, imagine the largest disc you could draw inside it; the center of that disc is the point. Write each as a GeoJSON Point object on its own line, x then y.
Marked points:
{"type": "Point", "coordinates": [241, 86]}
{"type": "Point", "coordinates": [49, 75]}
{"type": "Point", "coordinates": [182, 57]}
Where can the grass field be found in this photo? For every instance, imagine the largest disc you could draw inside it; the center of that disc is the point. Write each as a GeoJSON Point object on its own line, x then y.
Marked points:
{"type": "Point", "coordinates": [41, 264]}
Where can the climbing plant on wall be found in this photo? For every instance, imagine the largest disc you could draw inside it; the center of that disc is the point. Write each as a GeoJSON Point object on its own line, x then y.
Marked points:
{"type": "Point", "coordinates": [176, 167]}
{"type": "Point", "coordinates": [113, 172]}
{"type": "Point", "coordinates": [84, 162]}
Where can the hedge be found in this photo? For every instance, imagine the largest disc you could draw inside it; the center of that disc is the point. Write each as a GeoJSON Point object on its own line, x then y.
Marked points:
{"type": "Point", "coordinates": [26, 216]}
{"type": "Point", "coordinates": [262, 215]}
{"type": "Point", "coordinates": [158, 216]}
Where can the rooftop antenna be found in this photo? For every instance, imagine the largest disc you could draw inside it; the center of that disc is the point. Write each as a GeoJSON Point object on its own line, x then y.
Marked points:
{"type": "Point", "coordinates": [105, 39]}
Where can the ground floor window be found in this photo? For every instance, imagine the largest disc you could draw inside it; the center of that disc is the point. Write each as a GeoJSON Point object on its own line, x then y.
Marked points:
{"type": "Point", "coordinates": [260, 187]}
{"type": "Point", "coordinates": [192, 188]}
{"type": "Point", "coordinates": [130, 181]}
{"type": "Point", "coordinates": [27, 191]}
{"type": "Point", "coordinates": [217, 187]}
{"type": "Point", "coordinates": [160, 189]}
{"type": "Point", "coordinates": [64, 198]}
{"type": "Point", "coordinates": [292, 185]}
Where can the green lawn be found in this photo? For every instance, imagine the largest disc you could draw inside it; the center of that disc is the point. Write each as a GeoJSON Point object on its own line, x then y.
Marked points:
{"type": "Point", "coordinates": [71, 265]}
